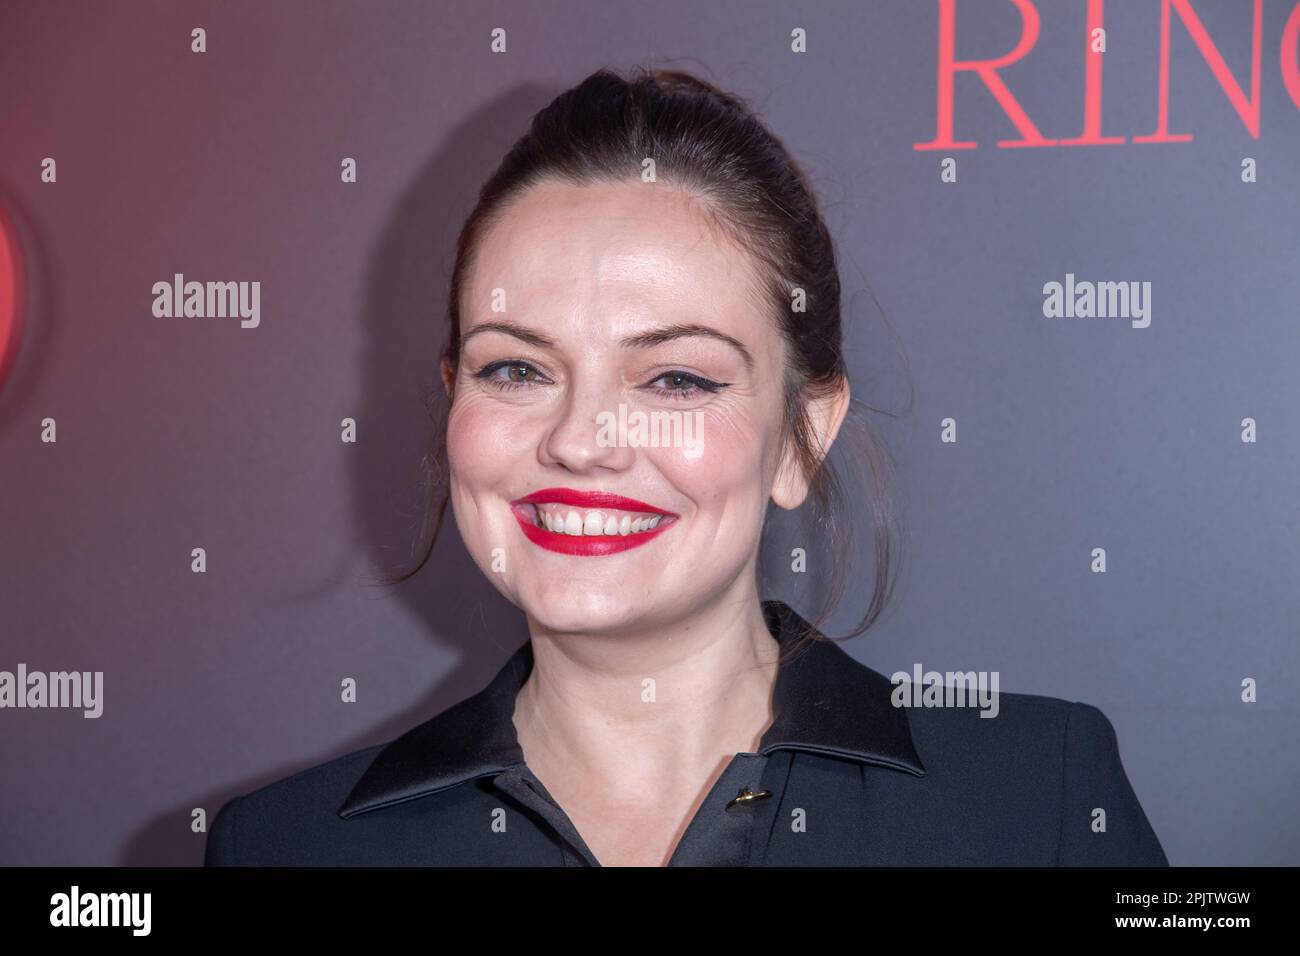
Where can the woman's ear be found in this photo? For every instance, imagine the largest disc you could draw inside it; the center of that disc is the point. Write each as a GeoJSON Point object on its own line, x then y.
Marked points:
{"type": "Point", "coordinates": [825, 415]}
{"type": "Point", "coordinates": [448, 378]}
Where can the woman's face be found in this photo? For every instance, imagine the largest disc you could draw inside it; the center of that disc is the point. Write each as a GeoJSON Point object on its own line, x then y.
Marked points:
{"type": "Point", "coordinates": [588, 310]}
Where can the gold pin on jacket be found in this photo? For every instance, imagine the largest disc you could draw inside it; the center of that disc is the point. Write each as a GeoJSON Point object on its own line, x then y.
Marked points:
{"type": "Point", "coordinates": [748, 796]}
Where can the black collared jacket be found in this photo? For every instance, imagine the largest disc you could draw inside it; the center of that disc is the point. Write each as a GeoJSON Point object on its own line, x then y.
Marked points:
{"type": "Point", "coordinates": [842, 777]}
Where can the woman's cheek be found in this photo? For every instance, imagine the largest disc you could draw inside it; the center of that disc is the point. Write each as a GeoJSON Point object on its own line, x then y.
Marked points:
{"type": "Point", "coordinates": [725, 478]}
{"type": "Point", "coordinates": [483, 442]}
{"type": "Point", "coordinates": [480, 432]}
{"type": "Point", "coordinates": [728, 441]}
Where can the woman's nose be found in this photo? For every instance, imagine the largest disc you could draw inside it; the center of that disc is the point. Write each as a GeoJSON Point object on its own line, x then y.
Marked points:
{"type": "Point", "coordinates": [579, 438]}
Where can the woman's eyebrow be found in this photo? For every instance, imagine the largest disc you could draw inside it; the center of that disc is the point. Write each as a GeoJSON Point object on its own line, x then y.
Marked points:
{"type": "Point", "coordinates": [641, 340]}
{"type": "Point", "coordinates": [666, 334]}
{"type": "Point", "coordinates": [535, 339]}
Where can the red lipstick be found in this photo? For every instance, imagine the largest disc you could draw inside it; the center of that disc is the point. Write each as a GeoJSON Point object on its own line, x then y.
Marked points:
{"type": "Point", "coordinates": [585, 545]}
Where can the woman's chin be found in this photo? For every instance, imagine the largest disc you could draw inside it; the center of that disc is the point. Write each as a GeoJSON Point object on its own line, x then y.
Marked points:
{"type": "Point", "coordinates": [583, 611]}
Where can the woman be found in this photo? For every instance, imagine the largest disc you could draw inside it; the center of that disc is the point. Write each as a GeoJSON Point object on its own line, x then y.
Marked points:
{"type": "Point", "coordinates": [645, 350]}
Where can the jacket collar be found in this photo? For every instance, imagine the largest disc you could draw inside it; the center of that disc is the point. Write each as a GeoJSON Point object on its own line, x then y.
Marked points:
{"type": "Point", "coordinates": [824, 702]}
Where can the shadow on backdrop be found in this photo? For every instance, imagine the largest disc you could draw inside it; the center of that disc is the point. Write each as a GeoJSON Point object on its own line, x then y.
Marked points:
{"type": "Point", "coordinates": [406, 329]}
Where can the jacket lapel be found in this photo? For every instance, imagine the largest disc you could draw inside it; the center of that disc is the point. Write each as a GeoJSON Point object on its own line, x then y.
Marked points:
{"type": "Point", "coordinates": [823, 702]}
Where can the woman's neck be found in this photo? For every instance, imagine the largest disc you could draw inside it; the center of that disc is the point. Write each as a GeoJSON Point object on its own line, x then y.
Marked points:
{"type": "Point", "coordinates": [651, 707]}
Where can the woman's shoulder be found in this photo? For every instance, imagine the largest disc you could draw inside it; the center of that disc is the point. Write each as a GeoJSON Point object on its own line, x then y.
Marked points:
{"type": "Point", "coordinates": [320, 816]}
{"type": "Point", "coordinates": [1012, 734]}
{"type": "Point", "coordinates": [1048, 759]}
{"type": "Point", "coordinates": [308, 799]}
{"type": "Point", "coordinates": [1020, 722]}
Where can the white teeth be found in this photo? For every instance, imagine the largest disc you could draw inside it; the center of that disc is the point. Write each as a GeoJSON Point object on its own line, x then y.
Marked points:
{"type": "Point", "coordinates": [561, 520]}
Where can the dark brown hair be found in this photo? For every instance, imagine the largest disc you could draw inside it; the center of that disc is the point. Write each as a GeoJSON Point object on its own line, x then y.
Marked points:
{"type": "Point", "coordinates": [710, 143]}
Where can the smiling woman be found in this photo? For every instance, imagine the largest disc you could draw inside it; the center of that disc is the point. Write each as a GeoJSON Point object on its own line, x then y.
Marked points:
{"type": "Point", "coordinates": [649, 247]}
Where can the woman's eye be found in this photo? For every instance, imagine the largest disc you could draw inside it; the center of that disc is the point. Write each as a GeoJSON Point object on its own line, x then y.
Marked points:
{"type": "Point", "coordinates": [683, 385]}
{"type": "Point", "coordinates": [510, 374]}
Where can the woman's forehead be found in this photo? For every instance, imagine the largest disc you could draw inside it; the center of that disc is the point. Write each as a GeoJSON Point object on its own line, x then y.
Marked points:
{"type": "Point", "coordinates": [626, 239]}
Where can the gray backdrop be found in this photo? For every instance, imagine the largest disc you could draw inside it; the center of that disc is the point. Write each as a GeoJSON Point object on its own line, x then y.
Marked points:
{"type": "Point", "coordinates": [1072, 433]}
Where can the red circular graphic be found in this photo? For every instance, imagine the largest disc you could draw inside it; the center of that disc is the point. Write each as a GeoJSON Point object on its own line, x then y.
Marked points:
{"type": "Point", "coordinates": [11, 296]}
